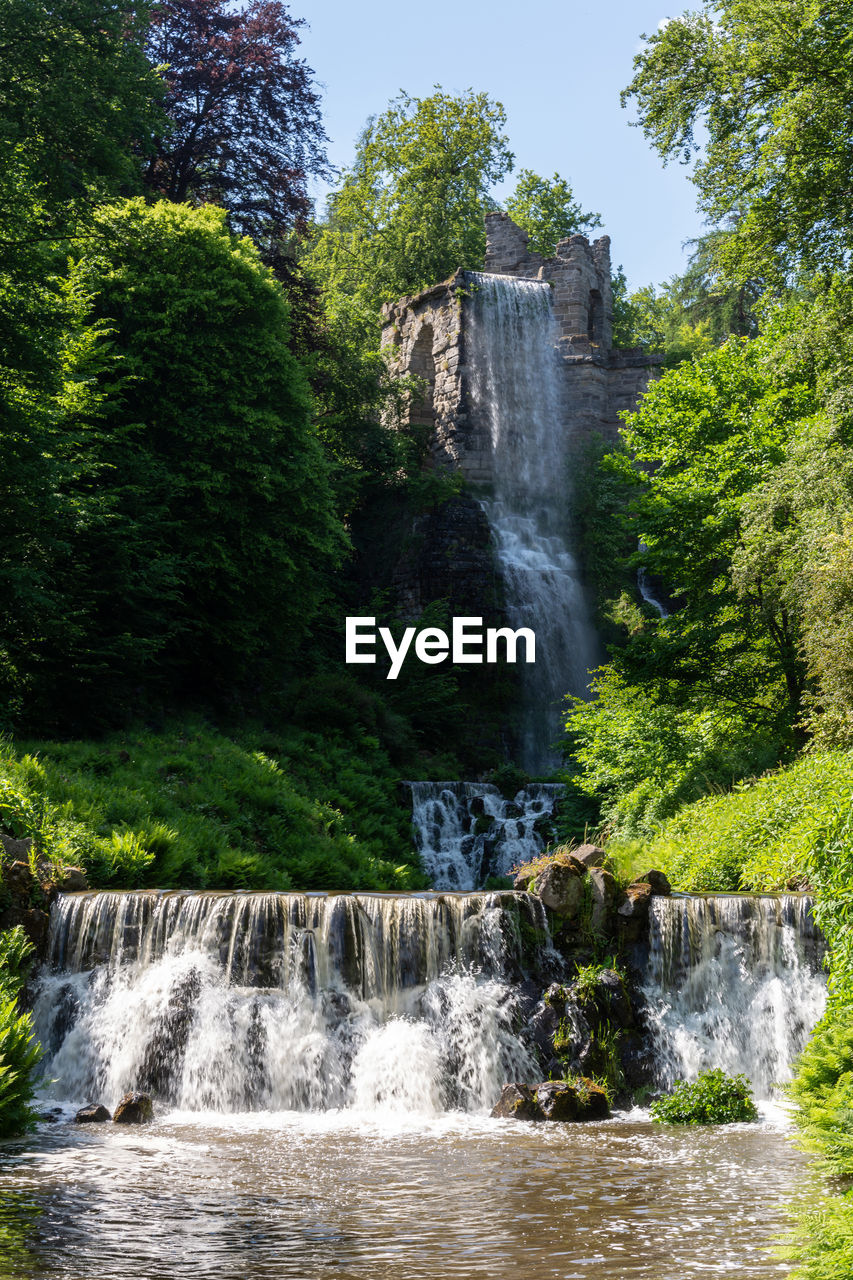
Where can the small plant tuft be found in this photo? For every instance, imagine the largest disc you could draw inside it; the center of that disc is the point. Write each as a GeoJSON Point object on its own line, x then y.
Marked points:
{"type": "Point", "coordinates": [713, 1098]}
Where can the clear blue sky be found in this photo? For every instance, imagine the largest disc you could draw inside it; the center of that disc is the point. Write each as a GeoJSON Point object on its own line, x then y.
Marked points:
{"type": "Point", "coordinates": [556, 65]}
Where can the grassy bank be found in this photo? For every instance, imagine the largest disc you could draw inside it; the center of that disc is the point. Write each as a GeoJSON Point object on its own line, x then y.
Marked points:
{"type": "Point", "coordinates": [191, 808]}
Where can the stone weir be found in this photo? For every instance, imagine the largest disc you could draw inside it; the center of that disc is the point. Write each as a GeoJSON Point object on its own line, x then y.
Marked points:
{"type": "Point", "coordinates": [282, 1001]}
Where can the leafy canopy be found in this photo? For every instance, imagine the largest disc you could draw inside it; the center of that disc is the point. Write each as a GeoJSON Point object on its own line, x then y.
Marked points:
{"type": "Point", "coordinates": [546, 209]}
{"type": "Point", "coordinates": [244, 116]}
{"type": "Point", "coordinates": [756, 95]}
{"type": "Point", "coordinates": [409, 211]}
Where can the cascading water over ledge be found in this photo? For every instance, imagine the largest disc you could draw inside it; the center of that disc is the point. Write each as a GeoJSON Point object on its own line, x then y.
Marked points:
{"type": "Point", "coordinates": [733, 981]}
{"type": "Point", "coordinates": [466, 832]}
{"type": "Point", "coordinates": [236, 1002]}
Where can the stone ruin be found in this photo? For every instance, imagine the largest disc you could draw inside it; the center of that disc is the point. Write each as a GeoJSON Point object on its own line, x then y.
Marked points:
{"type": "Point", "coordinates": [426, 335]}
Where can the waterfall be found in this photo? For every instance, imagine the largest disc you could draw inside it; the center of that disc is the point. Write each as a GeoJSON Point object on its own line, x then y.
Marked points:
{"type": "Point", "coordinates": [644, 586]}
{"type": "Point", "coordinates": [517, 390]}
{"type": "Point", "coordinates": [235, 1002]}
{"type": "Point", "coordinates": [733, 981]}
{"type": "Point", "coordinates": [466, 832]}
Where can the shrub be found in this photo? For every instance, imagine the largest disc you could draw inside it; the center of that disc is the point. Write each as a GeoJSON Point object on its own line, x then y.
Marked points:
{"type": "Point", "coordinates": [19, 1053]}
{"type": "Point", "coordinates": [713, 1098]}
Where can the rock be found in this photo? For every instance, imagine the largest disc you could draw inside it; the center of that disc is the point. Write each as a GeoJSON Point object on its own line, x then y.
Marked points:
{"type": "Point", "coordinates": [560, 886]}
{"type": "Point", "coordinates": [589, 855]}
{"type": "Point", "coordinates": [17, 849]}
{"type": "Point", "coordinates": [660, 886]}
{"type": "Point", "coordinates": [605, 891]}
{"type": "Point", "coordinates": [517, 1102]}
{"type": "Point", "coordinates": [134, 1108]}
{"type": "Point", "coordinates": [592, 1100]}
{"type": "Point", "coordinates": [93, 1113]}
{"type": "Point", "coordinates": [72, 880]}
{"type": "Point", "coordinates": [636, 903]}
{"type": "Point", "coordinates": [557, 1100]}
{"type": "Point", "coordinates": [556, 996]}
{"type": "Point", "coordinates": [522, 881]}
{"type": "Point", "coordinates": [633, 911]}
{"type": "Point", "coordinates": [610, 1000]}
{"type": "Point", "coordinates": [18, 880]}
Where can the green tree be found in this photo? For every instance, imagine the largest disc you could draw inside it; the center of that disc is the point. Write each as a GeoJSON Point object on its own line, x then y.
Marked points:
{"type": "Point", "coordinates": [756, 96]}
{"type": "Point", "coordinates": [208, 553]}
{"type": "Point", "coordinates": [409, 211]}
{"type": "Point", "coordinates": [713, 690]}
{"type": "Point", "coordinates": [547, 210]}
{"type": "Point", "coordinates": [690, 313]}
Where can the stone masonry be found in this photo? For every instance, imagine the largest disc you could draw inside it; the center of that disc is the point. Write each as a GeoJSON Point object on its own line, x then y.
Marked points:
{"type": "Point", "coordinates": [426, 334]}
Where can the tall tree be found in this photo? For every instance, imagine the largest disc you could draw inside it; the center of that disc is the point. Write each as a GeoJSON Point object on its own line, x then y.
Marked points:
{"type": "Point", "coordinates": [410, 209]}
{"type": "Point", "coordinates": [547, 210]}
{"type": "Point", "coordinates": [245, 119]}
{"type": "Point", "coordinates": [756, 95]}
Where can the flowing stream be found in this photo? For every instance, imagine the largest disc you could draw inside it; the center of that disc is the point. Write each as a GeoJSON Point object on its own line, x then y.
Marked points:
{"type": "Point", "coordinates": [323, 1068]}
{"type": "Point", "coordinates": [517, 390]}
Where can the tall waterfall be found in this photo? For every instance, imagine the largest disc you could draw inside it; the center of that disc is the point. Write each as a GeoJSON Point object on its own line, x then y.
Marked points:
{"type": "Point", "coordinates": [466, 832]}
{"type": "Point", "coordinates": [516, 388]}
{"type": "Point", "coordinates": [733, 981]}
{"type": "Point", "coordinates": [235, 1002]}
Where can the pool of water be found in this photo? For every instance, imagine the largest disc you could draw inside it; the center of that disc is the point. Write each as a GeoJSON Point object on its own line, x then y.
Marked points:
{"type": "Point", "coordinates": [287, 1196]}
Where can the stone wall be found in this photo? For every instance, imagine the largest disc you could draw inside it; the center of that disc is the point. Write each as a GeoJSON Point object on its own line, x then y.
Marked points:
{"type": "Point", "coordinates": [425, 335]}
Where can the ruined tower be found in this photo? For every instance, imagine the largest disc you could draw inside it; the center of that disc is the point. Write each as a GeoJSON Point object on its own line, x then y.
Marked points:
{"type": "Point", "coordinates": [426, 335]}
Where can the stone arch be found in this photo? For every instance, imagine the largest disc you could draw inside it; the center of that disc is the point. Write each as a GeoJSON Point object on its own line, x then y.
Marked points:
{"type": "Point", "coordinates": [422, 364]}
{"type": "Point", "coordinates": [595, 316]}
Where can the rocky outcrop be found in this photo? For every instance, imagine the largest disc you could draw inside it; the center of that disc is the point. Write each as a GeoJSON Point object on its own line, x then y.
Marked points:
{"type": "Point", "coordinates": [134, 1108]}
{"type": "Point", "coordinates": [556, 1100]}
{"type": "Point", "coordinates": [561, 886]}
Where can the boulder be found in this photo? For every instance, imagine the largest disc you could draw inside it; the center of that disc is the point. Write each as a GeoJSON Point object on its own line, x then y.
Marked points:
{"type": "Point", "coordinates": [557, 1100]}
{"type": "Point", "coordinates": [660, 886]}
{"type": "Point", "coordinates": [17, 849]}
{"type": "Point", "coordinates": [522, 881]}
{"type": "Point", "coordinates": [610, 1002]}
{"type": "Point", "coordinates": [560, 886]}
{"type": "Point", "coordinates": [134, 1108]}
{"type": "Point", "coordinates": [18, 879]}
{"type": "Point", "coordinates": [517, 1102]}
{"type": "Point", "coordinates": [605, 891]}
{"type": "Point", "coordinates": [633, 911]}
{"type": "Point", "coordinates": [72, 880]}
{"type": "Point", "coordinates": [590, 855]}
{"type": "Point", "coordinates": [92, 1113]}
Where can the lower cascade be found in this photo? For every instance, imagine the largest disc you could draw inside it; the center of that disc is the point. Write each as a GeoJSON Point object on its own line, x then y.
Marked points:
{"type": "Point", "coordinates": [378, 1002]}
{"type": "Point", "coordinates": [733, 981]}
{"type": "Point", "coordinates": [235, 1002]}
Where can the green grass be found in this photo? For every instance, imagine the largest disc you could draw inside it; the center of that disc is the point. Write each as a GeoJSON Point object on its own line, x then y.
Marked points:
{"type": "Point", "coordinates": [190, 807]}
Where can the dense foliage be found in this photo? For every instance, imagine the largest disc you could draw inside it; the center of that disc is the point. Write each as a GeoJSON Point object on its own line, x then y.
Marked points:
{"type": "Point", "coordinates": [756, 94]}
{"type": "Point", "coordinates": [712, 1098]}
{"type": "Point", "coordinates": [19, 1053]}
{"type": "Point", "coordinates": [409, 210]}
{"type": "Point", "coordinates": [547, 210]}
{"type": "Point", "coordinates": [192, 808]}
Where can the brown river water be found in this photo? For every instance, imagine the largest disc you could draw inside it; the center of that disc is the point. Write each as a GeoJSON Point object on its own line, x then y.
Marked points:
{"type": "Point", "coordinates": [292, 1196]}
